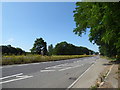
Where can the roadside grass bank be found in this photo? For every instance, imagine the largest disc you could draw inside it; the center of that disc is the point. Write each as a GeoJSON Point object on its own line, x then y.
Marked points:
{"type": "Point", "coordinates": [112, 60]}
{"type": "Point", "coordinates": [22, 59]}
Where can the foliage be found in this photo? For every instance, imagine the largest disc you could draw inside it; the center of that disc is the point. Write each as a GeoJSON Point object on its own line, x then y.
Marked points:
{"type": "Point", "coordinates": [64, 48]}
{"type": "Point", "coordinates": [9, 50]}
{"type": "Point", "coordinates": [103, 20]}
{"type": "Point", "coordinates": [39, 47]}
{"type": "Point", "coordinates": [50, 50]}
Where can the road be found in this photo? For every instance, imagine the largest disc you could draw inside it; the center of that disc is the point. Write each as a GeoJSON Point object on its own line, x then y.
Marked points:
{"type": "Point", "coordinates": [54, 74]}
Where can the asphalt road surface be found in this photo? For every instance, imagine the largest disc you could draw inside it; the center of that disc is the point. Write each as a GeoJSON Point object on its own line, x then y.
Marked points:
{"type": "Point", "coordinates": [54, 74]}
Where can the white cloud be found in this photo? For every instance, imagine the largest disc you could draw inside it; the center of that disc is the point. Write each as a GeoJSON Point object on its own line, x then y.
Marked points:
{"type": "Point", "coordinates": [9, 41]}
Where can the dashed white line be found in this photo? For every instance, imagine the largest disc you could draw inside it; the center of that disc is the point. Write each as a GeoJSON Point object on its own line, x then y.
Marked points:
{"type": "Point", "coordinates": [56, 66]}
{"type": "Point", "coordinates": [70, 68]}
{"type": "Point", "coordinates": [61, 66]}
{"type": "Point", "coordinates": [53, 67]}
{"type": "Point", "coordinates": [11, 76]}
{"type": "Point", "coordinates": [47, 70]}
{"type": "Point", "coordinates": [64, 69]}
{"type": "Point", "coordinates": [21, 76]}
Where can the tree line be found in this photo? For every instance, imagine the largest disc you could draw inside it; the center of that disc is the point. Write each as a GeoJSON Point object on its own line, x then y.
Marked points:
{"type": "Point", "coordinates": [103, 20]}
{"type": "Point", "coordinates": [65, 48]}
{"type": "Point", "coordinates": [40, 47]}
{"type": "Point", "coordinates": [62, 48]}
{"type": "Point", "coordinates": [9, 50]}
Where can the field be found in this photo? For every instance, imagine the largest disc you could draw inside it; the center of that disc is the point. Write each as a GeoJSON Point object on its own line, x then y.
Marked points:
{"type": "Point", "coordinates": [22, 59]}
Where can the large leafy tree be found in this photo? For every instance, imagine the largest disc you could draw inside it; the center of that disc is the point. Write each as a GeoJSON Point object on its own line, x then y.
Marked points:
{"type": "Point", "coordinates": [39, 47]}
{"type": "Point", "coordinates": [103, 20]}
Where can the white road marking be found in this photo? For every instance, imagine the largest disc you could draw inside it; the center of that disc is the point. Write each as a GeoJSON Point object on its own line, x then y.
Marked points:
{"type": "Point", "coordinates": [25, 77]}
{"type": "Point", "coordinates": [44, 62]}
{"type": "Point", "coordinates": [77, 66]}
{"type": "Point", "coordinates": [64, 69]}
{"type": "Point", "coordinates": [78, 78]}
{"type": "Point", "coordinates": [49, 67]}
{"type": "Point", "coordinates": [109, 71]}
{"type": "Point", "coordinates": [106, 76]}
{"type": "Point", "coordinates": [68, 65]}
{"type": "Point", "coordinates": [76, 61]}
{"type": "Point", "coordinates": [27, 64]}
{"type": "Point", "coordinates": [22, 76]}
{"type": "Point", "coordinates": [69, 68]}
{"type": "Point", "coordinates": [47, 70]}
{"type": "Point", "coordinates": [11, 76]}
{"type": "Point", "coordinates": [53, 67]}
{"type": "Point", "coordinates": [47, 62]}
{"type": "Point", "coordinates": [23, 64]}
{"type": "Point", "coordinates": [15, 65]}
{"type": "Point", "coordinates": [56, 66]}
{"type": "Point", "coordinates": [8, 66]}
{"type": "Point", "coordinates": [37, 63]}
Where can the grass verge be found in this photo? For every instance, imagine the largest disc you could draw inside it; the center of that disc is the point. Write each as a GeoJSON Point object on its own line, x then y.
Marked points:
{"type": "Point", "coordinates": [108, 58]}
{"type": "Point", "coordinates": [10, 60]}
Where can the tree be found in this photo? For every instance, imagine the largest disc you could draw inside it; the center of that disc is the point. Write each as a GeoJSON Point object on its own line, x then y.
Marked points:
{"type": "Point", "coordinates": [50, 49]}
{"type": "Point", "coordinates": [39, 46]}
{"type": "Point", "coordinates": [65, 48]}
{"type": "Point", "coordinates": [103, 20]}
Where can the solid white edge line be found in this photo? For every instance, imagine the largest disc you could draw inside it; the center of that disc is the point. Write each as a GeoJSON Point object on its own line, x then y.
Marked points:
{"type": "Point", "coordinates": [78, 78]}
{"type": "Point", "coordinates": [23, 64]}
{"type": "Point", "coordinates": [106, 75]}
{"type": "Point", "coordinates": [28, 64]}
{"type": "Point", "coordinates": [20, 65]}
{"type": "Point", "coordinates": [16, 79]}
{"type": "Point", "coordinates": [109, 71]}
{"type": "Point", "coordinates": [11, 76]}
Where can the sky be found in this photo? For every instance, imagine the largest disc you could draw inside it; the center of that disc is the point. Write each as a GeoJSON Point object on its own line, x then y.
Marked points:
{"type": "Point", "coordinates": [23, 22]}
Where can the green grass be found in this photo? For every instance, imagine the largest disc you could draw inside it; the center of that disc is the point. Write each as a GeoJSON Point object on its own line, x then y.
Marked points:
{"type": "Point", "coordinates": [21, 59]}
{"type": "Point", "coordinates": [108, 58]}
{"type": "Point", "coordinates": [93, 87]}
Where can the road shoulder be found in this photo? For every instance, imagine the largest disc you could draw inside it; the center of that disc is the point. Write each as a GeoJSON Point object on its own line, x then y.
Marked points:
{"type": "Point", "coordinates": [111, 81]}
{"type": "Point", "coordinates": [89, 78]}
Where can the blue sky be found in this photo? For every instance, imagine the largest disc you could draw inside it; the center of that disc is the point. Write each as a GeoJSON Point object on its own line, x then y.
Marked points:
{"type": "Point", "coordinates": [53, 21]}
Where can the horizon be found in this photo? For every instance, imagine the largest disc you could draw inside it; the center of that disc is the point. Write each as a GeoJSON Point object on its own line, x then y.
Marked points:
{"type": "Point", "coordinates": [53, 21]}
{"type": "Point", "coordinates": [47, 46]}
